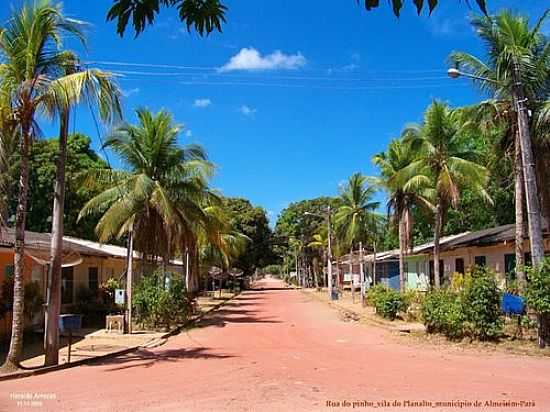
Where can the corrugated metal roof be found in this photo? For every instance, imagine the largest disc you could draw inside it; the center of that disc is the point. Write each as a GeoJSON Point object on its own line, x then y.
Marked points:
{"type": "Point", "coordinates": [42, 241]}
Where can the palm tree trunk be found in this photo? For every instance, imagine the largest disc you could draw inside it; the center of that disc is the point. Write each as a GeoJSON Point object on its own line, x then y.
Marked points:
{"type": "Point", "coordinates": [16, 343]}
{"type": "Point", "coordinates": [534, 220]}
{"type": "Point", "coordinates": [351, 275]}
{"type": "Point", "coordinates": [437, 234]}
{"type": "Point", "coordinates": [519, 189]}
{"type": "Point", "coordinates": [402, 246]}
{"type": "Point", "coordinates": [374, 263]}
{"type": "Point", "coordinates": [362, 273]}
{"type": "Point", "coordinates": [53, 308]}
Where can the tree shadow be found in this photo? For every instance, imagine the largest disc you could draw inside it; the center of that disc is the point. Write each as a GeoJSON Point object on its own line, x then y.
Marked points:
{"type": "Point", "coordinates": [144, 358]}
{"type": "Point", "coordinates": [221, 320]}
{"type": "Point", "coordinates": [265, 289]}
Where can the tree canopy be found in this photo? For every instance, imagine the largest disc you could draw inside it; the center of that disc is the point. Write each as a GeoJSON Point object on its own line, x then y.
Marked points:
{"type": "Point", "coordinates": [205, 16]}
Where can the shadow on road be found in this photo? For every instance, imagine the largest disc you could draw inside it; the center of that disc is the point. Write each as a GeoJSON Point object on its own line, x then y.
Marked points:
{"type": "Point", "coordinates": [262, 288]}
{"type": "Point", "coordinates": [221, 320]}
{"type": "Point", "coordinates": [144, 358]}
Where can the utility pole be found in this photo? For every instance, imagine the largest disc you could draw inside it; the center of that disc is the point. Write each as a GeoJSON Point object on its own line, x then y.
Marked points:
{"type": "Point", "coordinates": [361, 273]}
{"type": "Point", "coordinates": [329, 267]}
{"type": "Point", "coordinates": [534, 221]}
{"type": "Point", "coordinates": [351, 274]}
{"type": "Point", "coordinates": [129, 277]}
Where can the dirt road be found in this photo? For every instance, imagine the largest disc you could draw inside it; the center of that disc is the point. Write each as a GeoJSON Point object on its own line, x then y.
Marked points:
{"type": "Point", "coordinates": [278, 350]}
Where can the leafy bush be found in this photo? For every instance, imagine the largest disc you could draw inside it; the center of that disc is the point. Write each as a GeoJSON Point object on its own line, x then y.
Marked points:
{"type": "Point", "coordinates": [160, 304]}
{"type": "Point", "coordinates": [470, 307]}
{"type": "Point", "coordinates": [481, 304]}
{"type": "Point", "coordinates": [387, 302]}
{"type": "Point", "coordinates": [538, 288]}
{"type": "Point", "coordinates": [442, 313]}
{"type": "Point", "coordinates": [538, 298]}
{"type": "Point", "coordinates": [414, 300]}
{"type": "Point", "coordinates": [32, 297]}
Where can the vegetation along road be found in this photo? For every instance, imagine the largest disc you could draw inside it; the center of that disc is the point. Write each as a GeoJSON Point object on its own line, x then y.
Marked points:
{"type": "Point", "coordinates": [274, 349]}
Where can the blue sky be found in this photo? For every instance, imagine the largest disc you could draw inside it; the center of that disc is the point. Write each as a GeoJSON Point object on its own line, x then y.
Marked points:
{"type": "Point", "coordinates": [293, 96]}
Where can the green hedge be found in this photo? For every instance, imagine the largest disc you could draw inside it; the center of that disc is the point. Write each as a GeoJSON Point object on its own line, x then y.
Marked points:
{"type": "Point", "coordinates": [387, 302]}
{"type": "Point", "coordinates": [162, 303]}
{"type": "Point", "coordinates": [472, 310]}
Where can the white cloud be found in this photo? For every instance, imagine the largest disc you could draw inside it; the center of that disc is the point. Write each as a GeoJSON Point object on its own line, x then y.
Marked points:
{"type": "Point", "coordinates": [247, 110]}
{"type": "Point", "coordinates": [350, 67]}
{"type": "Point", "coordinates": [130, 92]}
{"type": "Point", "coordinates": [202, 103]}
{"type": "Point", "coordinates": [188, 133]}
{"type": "Point", "coordinates": [252, 59]}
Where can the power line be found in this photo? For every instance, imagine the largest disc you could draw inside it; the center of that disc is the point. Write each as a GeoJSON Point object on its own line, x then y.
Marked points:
{"type": "Point", "coordinates": [303, 86]}
{"type": "Point", "coordinates": [263, 77]}
{"type": "Point", "coordinates": [217, 68]}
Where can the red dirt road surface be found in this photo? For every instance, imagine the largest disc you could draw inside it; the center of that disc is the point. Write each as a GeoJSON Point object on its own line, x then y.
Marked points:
{"type": "Point", "coordinates": [279, 350]}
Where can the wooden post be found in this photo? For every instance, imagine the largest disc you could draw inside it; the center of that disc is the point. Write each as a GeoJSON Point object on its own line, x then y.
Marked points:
{"type": "Point", "coordinates": [129, 278]}
{"type": "Point", "coordinates": [362, 273]}
{"type": "Point", "coordinates": [351, 274]}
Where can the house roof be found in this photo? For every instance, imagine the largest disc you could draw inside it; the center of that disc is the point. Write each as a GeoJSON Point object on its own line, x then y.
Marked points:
{"type": "Point", "coordinates": [42, 241]}
{"type": "Point", "coordinates": [483, 237]}
{"type": "Point", "coordinates": [110, 250]}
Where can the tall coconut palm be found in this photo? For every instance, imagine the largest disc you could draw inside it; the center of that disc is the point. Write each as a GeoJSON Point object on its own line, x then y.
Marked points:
{"type": "Point", "coordinates": [102, 94]}
{"type": "Point", "coordinates": [354, 217]}
{"type": "Point", "coordinates": [446, 160]}
{"type": "Point", "coordinates": [517, 67]}
{"type": "Point", "coordinates": [319, 241]}
{"type": "Point", "coordinates": [160, 193]}
{"type": "Point", "coordinates": [9, 139]}
{"type": "Point", "coordinates": [404, 193]}
{"type": "Point", "coordinates": [33, 80]}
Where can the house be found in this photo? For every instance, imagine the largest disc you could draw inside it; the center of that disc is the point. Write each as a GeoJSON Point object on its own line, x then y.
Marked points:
{"type": "Point", "coordinates": [85, 265]}
{"type": "Point", "coordinates": [493, 247]}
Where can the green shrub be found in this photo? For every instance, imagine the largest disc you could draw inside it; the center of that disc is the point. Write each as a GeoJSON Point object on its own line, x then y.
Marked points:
{"type": "Point", "coordinates": [387, 302]}
{"type": "Point", "coordinates": [414, 300]}
{"type": "Point", "coordinates": [442, 313]}
{"type": "Point", "coordinates": [470, 307]}
{"type": "Point", "coordinates": [32, 297]}
{"type": "Point", "coordinates": [158, 303]}
{"type": "Point", "coordinates": [538, 288]}
{"type": "Point", "coordinates": [481, 303]}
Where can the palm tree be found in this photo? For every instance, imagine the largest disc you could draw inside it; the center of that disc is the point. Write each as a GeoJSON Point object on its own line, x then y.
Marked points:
{"type": "Point", "coordinates": [160, 197]}
{"type": "Point", "coordinates": [99, 91]}
{"type": "Point", "coordinates": [354, 216]}
{"type": "Point", "coordinates": [319, 241]}
{"type": "Point", "coordinates": [516, 70]}
{"type": "Point", "coordinates": [9, 140]}
{"type": "Point", "coordinates": [405, 193]}
{"type": "Point", "coordinates": [33, 80]}
{"type": "Point", "coordinates": [444, 159]}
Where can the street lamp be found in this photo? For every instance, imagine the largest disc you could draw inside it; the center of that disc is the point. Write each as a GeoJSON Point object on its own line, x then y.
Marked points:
{"type": "Point", "coordinates": [454, 73]}
{"type": "Point", "coordinates": [329, 257]}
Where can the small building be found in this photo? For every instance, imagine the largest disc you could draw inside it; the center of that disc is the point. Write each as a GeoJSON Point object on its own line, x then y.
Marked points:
{"type": "Point", "coordinates": [85, 265]}
{"type": "Point", "coordinates": [493, 247]}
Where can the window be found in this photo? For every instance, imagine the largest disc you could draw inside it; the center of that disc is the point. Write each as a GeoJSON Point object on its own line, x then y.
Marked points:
{"type": "Point", "coordinates": [93, 280]}
{"type": "Point", "coordinates": [459, 265]}
{"type": "Point", "coordinates": [67, 285]}
{"type": "Point", "coordinates": [480, 261]}
{"type": "Point", "coordinates": [8, 271]}
{"type": "Point", "coordinates": [510, 267]}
